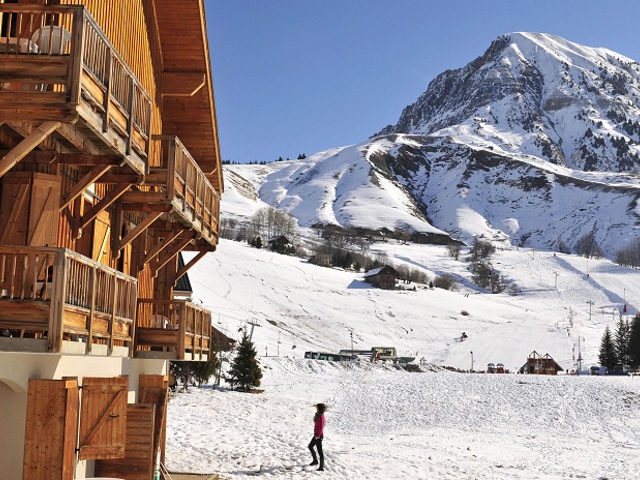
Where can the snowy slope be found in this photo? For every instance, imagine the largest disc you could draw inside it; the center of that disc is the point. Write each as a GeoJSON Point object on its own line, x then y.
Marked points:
{"type": "Point", "coordinates": [383, 423]}
{"type": "Point", "coordinates": [389, 423]}
{"type": "Point", "coordinates": [305, 307]}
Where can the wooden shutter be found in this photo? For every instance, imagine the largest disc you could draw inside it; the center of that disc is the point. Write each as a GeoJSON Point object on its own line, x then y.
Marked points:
{"type": "Point", "coordinates": [29, 213]}
{"type": "Point", "coordinates": [103, 418]}
{"type": "Point", "coordinates": [51, 429]}
{"type": "Point", "coordinates": [102, 238]}
{"type": "Point", "coordinates": [139, 458]}
{"type": "Point", "coordinates": [154, 389]}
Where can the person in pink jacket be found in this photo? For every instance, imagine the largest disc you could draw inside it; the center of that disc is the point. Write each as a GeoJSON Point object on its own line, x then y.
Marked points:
{"type": "Point", "coordinates": [318, 434]}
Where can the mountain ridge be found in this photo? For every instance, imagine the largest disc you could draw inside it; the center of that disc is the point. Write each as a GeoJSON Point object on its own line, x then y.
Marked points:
{"type": "Point", "coordinates": [534, 143]}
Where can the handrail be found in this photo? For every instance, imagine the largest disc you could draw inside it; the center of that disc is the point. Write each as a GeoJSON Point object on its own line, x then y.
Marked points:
{"type": "Point", "coordinates": [58, 31]}
{"type": "Point", "coordinates": [188, 184]}
{"type": "Point", "coordinates": [63, 278]}
{"type": "Point", "coordinates": [190, 322]}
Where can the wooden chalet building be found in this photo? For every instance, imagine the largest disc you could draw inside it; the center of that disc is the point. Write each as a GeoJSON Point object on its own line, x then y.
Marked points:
{"type": "Point", "coordinates": [382, 277]}
{"type": "Point", "coordinates": [109, 168]}
{"type": "Point", "coordinates": [541, 365]}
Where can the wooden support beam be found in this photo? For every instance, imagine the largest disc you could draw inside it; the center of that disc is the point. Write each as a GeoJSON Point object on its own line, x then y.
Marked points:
{"type": "Point", "coordinates": [160, 246]}
{"type": "Point", "coordinates": [103, 204]}
{"type": "Point", "coordinates": [119, 178]}
{"type": "Point", "coordinates": [182, 84]}
{"type": "Point", "coordinates": [188, 266]}
{"type": "Point", "coordinates": [36, 137]}
{"type": "Point", "coordinates": [89, 159]}
{"type": "Point", "coordinates": [36, 156]}
{"type": "Point", "coordinates": [141, 227]}
{"type": "Point", "coordinates": [175, 249]}
{"type": "Point", "coordinates": [79, 188]}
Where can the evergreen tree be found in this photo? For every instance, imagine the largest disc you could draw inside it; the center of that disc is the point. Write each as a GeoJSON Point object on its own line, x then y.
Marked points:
{"type": "Point", "coordinates": [621, 341]}
{"type": "Point", "coordinates": [245, 369]}
{"type": "Point", "coordinates": [634, 341]}
{"type": "Point", "coordinates": [607, 355]}
{"type": "Point", "coordinates": [202, 371]}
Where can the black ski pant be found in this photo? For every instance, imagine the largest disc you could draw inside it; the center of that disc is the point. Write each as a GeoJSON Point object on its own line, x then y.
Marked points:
{"type": "Point", "coordinates": [317, 442]}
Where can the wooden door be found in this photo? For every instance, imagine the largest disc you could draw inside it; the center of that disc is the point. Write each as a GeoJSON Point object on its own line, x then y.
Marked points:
{"type": "Point", "coordinates": [51, 429]}
{"type": "Point", "coordinates": [103, 418]}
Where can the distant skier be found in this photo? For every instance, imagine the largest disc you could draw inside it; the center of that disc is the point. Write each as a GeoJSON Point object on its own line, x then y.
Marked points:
{"type": "Point", "coordinates": [318, 434]}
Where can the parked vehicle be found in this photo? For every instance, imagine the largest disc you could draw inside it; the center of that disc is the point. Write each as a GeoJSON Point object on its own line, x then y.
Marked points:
{"type": "Point", "coordinates": [620, 370]}
{"type": "Point", "coordinates": [333, 357]}
{"type": "Point", "coordinates": [598, 370]}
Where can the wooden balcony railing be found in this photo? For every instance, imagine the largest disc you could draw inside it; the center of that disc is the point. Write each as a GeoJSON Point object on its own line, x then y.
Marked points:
{"type": "Point", "coordinates": [57, 294]}
{"type": "Point", "coordinates": [57, 64]}
{"type": "Point", "coordinates": [173, 329]}
{"type": "Point", "coordinates": [176, 181]}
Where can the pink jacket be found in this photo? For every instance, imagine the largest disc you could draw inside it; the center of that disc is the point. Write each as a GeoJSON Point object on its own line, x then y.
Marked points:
{"type": "Point", "coordinates": [318, 426]}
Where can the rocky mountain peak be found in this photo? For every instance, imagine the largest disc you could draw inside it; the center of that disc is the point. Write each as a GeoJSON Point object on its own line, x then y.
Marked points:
{"type": "Point", "coordinates": [538, 94]}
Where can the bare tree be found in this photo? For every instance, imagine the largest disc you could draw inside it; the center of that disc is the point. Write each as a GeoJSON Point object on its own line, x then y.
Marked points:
{"type": "Point", "coordinates": [446, 282]}
{"type": "Point", "coordinates": [454, 251]}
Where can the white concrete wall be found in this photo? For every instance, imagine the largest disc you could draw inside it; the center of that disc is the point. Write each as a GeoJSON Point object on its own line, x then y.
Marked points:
{"type": "Point", "coordinates": [16, 369]}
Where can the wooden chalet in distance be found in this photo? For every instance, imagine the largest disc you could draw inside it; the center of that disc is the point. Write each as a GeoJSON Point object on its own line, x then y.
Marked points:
{"type": "Point", "coordinates": [541, 365]}
{"type": "Point", "coordinates": [382, 277]}
{"type": "Point", "coordinates": [109, 168]}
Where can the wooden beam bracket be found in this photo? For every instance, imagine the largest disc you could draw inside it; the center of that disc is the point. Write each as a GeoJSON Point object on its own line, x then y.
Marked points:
{"type": "Point", "coordinates": [171, 253]}
{"type": "Point", "coordinates": [188, 266]}
{"type": "Point", "coordinates": [79, 188]}
{"type": "Point", "coordinates": [31, 141]}
{"type": "Point", "coordinates": [103, 204]}
{"type": "Point", "coordinates": [141, 227]}
{"type": "Point", "coordinates": [155, 251]}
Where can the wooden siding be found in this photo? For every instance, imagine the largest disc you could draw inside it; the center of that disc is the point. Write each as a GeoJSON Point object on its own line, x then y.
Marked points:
{"type": "Point", "coordinates": [51, 429]}
{"type": "Point", "coordinates": [137, 463]}
{"type": "Point", "coordinates": [104, 418]}
{"type": "Point", "coordinates": [125, 23]}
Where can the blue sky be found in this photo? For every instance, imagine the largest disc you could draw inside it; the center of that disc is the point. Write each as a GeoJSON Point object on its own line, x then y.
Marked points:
{"type": "Point", "coordinates": [302, 76]}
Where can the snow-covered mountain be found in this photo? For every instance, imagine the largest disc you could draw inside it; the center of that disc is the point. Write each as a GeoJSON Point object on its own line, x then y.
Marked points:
{"type": "Point", "coordinates": [534, 143]}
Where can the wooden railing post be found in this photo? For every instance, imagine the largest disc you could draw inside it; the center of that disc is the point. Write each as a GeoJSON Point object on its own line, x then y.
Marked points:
{"type": "Point", "coordinates": [182, 328]}
{"type": "Point", "coordinates": [107, 96]}
{"type": "Point", "coordinates": [114, 304]}
{"type": "Point", "coordinates": [93, 281]}
{"type": "Point", "coordinates": [77, 56]}
{"type": "Point", "coordinates": [58, 300]}
{"type": "Point", "coordinates": [131, 106]}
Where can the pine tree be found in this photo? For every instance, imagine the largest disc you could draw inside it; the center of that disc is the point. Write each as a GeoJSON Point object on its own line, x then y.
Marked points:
{"type": "Point", "coordinates": [634, 341]}
{"type": "Point", "coordinates": [621, 341]}
{"type": "Point", "coordinates": [607, 354]}
{"type": "Point", "coordinates": [245, 369]}
{"type": "Point", "coordinates": [202, 371]}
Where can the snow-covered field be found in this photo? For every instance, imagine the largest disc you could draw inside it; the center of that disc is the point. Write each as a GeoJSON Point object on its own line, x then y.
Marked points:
{"type": "Point", "coordinates": [387, 423]}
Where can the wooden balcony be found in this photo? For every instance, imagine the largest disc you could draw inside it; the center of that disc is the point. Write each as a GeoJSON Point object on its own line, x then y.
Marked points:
{"type": "Point", "coordinates": [173, 329]}
{"type": "Point", "coordinates": [56, 64]}
{"type": "Point", "coordinates": [56, 300]}
{"type": "Point", "coordinates": [177, 186]}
